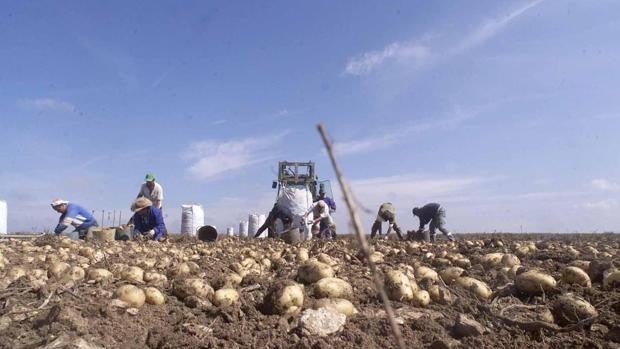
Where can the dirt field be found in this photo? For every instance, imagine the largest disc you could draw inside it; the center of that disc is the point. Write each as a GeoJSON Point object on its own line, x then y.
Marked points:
{"type": "Point", "coordinates": [43, 306]}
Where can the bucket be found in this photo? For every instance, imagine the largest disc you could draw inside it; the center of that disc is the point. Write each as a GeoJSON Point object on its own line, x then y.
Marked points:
{"type": "Point", "coordinates": [292, 236]}
{"type": "Point", "coordinates": [123, 233]}
{"type": "Point", "coordinates": [104, 234]}
{"type": "Point", "coordinates": [207, 233]}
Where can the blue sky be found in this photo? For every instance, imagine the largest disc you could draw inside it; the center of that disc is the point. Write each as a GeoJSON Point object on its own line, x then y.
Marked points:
{"type": "Point", "coordinates": [505, 112]}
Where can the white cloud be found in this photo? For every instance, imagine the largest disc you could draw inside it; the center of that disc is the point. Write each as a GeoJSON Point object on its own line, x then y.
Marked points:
{"type": "Point", "coordinates": [392, 137]}
{"type": "Point", "coordinates": [404, 52]}
{"type": "Point", "coordinates": [602, 205]}
{"type": "Point", "coordinates": [491, 28]}
{"type": "Point", "coordinates": [416, 54]}
{"type": "Point", "coordinates": [46, 105]}
{"type": "Point", "coordinates": [211, 158]}
{"type": "Point", "coordinates": [219, 122]}
{"type": "Point", "coordinates": [605, 185]}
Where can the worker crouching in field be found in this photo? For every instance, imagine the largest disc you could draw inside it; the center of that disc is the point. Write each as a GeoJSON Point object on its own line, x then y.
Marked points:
{"type": "Point", "coordinates": [321, 215]}
{"type": "Point", "coordinates": [73, 215]}
{"type": "Point", "coordinates": [277, 212]}
{"type": "Point", "coordinates": [434, 214]}
{"type": "Point", "coordinates": [148, 220]}
{"type": "Point", "coordinates": [387, 213]}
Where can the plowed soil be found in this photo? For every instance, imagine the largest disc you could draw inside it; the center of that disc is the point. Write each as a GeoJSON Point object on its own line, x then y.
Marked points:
{"type": "Point", "coordinates": [81, 314]}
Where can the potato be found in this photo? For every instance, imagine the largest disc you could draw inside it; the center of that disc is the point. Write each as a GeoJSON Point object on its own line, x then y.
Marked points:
{"type": "Point", "coordinates": [153, 278]}
{"type": "Point", "coordinates": [75, 274]}
{"type": "Point", "coordinates": [154, 296]}
{"type": "Point", "coordinates": [225, 297]}
{"type": "Point", "coordinates": [583, 265]}
{"type": "Point", "coordinates": [597, 268]}
{"type": "Point", "coordinates": [15, 273]}
{"type": "Point", "coordinates": [570, 309]}
{"type": "Point", "coordinates": [133, 274]}
{"type": "Point", "coordinates": [284, 297]}
{"type": "Point", "coordinates": [302, 255]}
{"type": "Point", "coordinates": [333, 288]}
{"type": "Point", "coordinates": [376, 257]}
{"type": "Point", "coordinates": [57, 269]}
{"type": "Point", "coordinates": [192, 287]}
{"type": "Point", "coordinates": [534, 282]}
{"type": "Point", "coordinates": [611, 278]}
{"type": "Point", "coordinates": [510, 260]}
{"type": "Point", "coordinates": [312, 271]}
{"type": "Point", "coordinates": [441, 295]}
{"type": "Point", "coordinates": [421, 298]}
{"type": "Point", "coordinates": [449, 275]}
{"type": "Point", "coordinates": [462, 262]}
{"type": "Point", "coordinates": [576, 276]}
{"type": "Point", "coordinates": [479, 288]}
{"type": "Point", "coordinates": [324, 258]}
{"type": "Point", "coordinates": [343, 306]}
{"type": "Point", "coordinates": [398, 286]}
{"type": "Point", "coordinates": [131, 294]}
{"type": "Point", "coordinates": [99, 274]}
{"type": "Point", "coordinates": [425, 273]}
{"type": "Point", "coordinates": [229, 280]}
{"type": "Point", "coordinates": [491, 260]}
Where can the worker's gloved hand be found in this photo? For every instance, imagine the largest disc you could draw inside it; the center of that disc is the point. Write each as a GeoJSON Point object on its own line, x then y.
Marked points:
{"type": "Point", "coordinates": [149, 234]}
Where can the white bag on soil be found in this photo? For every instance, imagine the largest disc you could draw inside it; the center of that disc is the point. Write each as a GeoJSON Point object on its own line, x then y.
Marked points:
{"type": "Point", "coordinates": [298, 199]}
{"type": "Point", "coordinates": [3, 217]}
{"type": "Point", "coordinates": [252, 224]}
{"type": "Point", "coordinates": [243, 229]}
{"type": "Point", "coordinates": [192, 218]}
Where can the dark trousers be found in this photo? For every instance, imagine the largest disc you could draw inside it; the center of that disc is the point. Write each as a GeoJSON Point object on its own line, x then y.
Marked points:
{"type": "Point", "coordinates": [376, 228]}
{"type": "Point", "coordinates": [438, 222]}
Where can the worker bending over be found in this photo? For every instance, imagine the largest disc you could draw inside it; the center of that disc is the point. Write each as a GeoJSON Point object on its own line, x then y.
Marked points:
{"type": "Point", "coordinates": [321, 215]}
{"type": "Point", "coordinates": [277, 212]}
{"type": "Point", "coordinates": [434, 214]}
{"type": "Point", "coordinates": [387, 213]}
{"type": "Point", "coordinates": [74, 215]}
{"type": "Point", "coordinates": [148, 220]}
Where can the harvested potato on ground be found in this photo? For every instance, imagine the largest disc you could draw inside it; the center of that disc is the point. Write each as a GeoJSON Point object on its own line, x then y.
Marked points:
{"type": "Point", "coordinates": [154, 296]}
{"type": "Point", "coordinates": [158, 279]}
{"type": "Point", "coordinates": [479, 288]}
{"type": "Point", "coordinates": [133, 274]}
{"type": "Point", "coordinates": [450, 274]}
{"type": "Point", "coordinates": [225, 297]}
{"type": "Point", "coordinates": [302, 255]}
{"type": "Point", "coordinates": [441, 295]}
{"type": "Point", "coordinates": [192, 287]}
{"type": "Point", "coordinates": [425, 273]}
{"type": "Point", "coordinates": [229, 280]}
{"type": "Point", "coordinates": [576, 276]}
{"type": "Point", "coordinates": [492, 260]}
{"type": "Point", "coordinates": [398, 286]}
{"type": "Point", "coordinates": [99, 274]}
{"type": "Point", "coordinates": [312, 271]}
{"type": "Point", "coordinates": [131, 294]}
{"type": "Point", "coordinates": [421, 298]}
{"type": "Point", "coordinates": [343, 306]}
{"type": "Point", "coordinates": [284, 297]}
{"type": "Point", "coordinates": [534, 282]}
{"type": "Point", "coordinates": [570, 309]}
{"type": "Point", "coordinates": [75, 274]}
{"type": "Point", "coordinates": [57, 269]}
{"type": "Point", "coordinates": [510, 260]}
{"type": "Point", "coordinates": [333, 288]}
{"type": "Point", "coordinates": [611, 278]}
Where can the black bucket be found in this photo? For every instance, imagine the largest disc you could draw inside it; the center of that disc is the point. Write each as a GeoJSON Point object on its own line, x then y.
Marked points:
{"type": "Point", "coordinates": [207, 233]}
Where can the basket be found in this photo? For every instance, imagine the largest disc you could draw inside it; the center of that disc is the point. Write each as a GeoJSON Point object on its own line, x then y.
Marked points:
{"type": "Point", "coordinates": [104, 234]}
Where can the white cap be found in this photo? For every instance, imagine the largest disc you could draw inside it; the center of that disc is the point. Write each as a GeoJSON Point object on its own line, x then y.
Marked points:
{"type": "Point", "coordinates": [58, 202]}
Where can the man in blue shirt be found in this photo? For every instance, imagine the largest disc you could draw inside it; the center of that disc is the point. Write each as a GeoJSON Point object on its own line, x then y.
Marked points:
{"type": "Point", "coordinates": [148, 220]}
{"type": "Point", "coordinates": [73, 215]}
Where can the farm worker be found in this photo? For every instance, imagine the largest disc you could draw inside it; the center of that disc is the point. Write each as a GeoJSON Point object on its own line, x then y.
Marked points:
{"type": "Point", "coordinates": [321, 215]}
{"type": "Point", "coordinates": [277, 212]}
{"type": "Point", "coordinates": [152, 190]}
{"type": "Point", "coordinates": [434, 214]}
{"type": "Point", "coordinates": [148, 220]}
{"type": "Point", "coordinates": [75, 215]}
{"type": "Point", "coordinates": [329, 201]}
{"type": "Point", "coordinates": [387, 213]}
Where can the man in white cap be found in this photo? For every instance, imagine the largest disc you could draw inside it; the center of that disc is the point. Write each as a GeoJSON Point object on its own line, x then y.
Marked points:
{"type": "Point", "coordinates": [148, 220]}
{"type": "Point", "coordinates": [152, 190]}
{"type": "Point", "coordinates": [73, 215]}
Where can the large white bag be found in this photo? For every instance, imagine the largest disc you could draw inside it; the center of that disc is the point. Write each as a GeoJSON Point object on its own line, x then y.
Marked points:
{"type": "Point", "coordinates": [243, 228]}
{"type": "Point", "coordinates": [192, 218]}
{"type": "Point", "coordinates": [253, 224]}
{"type": "Point", "coordinates": [298, 199]}
{"type": "Point", "coordinates": [3, 217]}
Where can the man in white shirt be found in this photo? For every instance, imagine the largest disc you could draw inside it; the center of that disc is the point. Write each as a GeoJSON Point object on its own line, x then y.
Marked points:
{"type": "Point", "coordinates": [321, 214]}
{"type": "Point", "coordinates": [151, 190]}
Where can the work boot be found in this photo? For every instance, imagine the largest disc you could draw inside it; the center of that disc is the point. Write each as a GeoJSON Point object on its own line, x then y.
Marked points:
{"type": "Point", "coordinates": [451, 237]}
{"type": "Point", "coordinates": [432, 238]}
